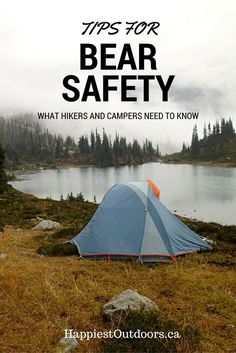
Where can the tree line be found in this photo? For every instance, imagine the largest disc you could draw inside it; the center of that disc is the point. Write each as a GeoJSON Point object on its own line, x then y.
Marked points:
{"type": "Point", "coordinates": [218, 142]}
{"type": "Point", "coordinates": [3, 179]}
{"type": "Point", "coordinates": [26, 141]}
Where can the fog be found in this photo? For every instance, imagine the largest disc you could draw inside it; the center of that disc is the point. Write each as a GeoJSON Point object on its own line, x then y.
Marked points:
{"type": "Point", "coordinates": [196, 42]}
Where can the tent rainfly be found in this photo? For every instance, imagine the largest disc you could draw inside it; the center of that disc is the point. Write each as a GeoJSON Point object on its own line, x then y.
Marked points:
{"type": "Point", "coordinates": [131, 222]}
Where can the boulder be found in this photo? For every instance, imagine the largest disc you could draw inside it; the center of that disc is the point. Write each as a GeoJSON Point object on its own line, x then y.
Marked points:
{"type": "Point", "coordinates": [39, 219]}
{"type": "Point", "coordinates": [3, 256]}
{"type": "Point", "coordinates": [66, 345]}
{"type": "Point", "coordinates": [209, 241]}
{"type": "Point", "coordinates": [47, 225]}
{"type": "Point", "coordinates": [127, 302]}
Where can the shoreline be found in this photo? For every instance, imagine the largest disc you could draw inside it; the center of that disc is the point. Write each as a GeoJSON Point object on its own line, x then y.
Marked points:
{"type": "Point", "coordinates": [184, 217]}
{"type": "Point", "coordinates": [13, 192]}
{"type": "Point", "coordinates": [33, 168]}
{"type": "Point", "coordinates": [203, 163]}
{"type": "Point", "coordinates": [13, 174]}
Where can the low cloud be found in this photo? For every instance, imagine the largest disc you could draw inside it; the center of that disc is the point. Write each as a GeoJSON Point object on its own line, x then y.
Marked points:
{"type": "Point", "coordinates": [206, 99]}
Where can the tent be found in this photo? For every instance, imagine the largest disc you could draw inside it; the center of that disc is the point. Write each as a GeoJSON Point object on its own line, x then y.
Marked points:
{"type": "Point", "coordinates": [131, 222]}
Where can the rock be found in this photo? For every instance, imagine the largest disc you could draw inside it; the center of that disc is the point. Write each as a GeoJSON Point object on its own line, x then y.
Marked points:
{"type": "Point", "coordinates": [3, 256]}
{"type": "Point", "coordinates": [66, 345]}
{"type": "Point", "coordinates": [39, 219]}
{"type": "Point", "coordinates": [126, 302]}
{"type": "Point", "coordinates": [47, 225]}
{"type": "Point", "coordinates": [209, 241]}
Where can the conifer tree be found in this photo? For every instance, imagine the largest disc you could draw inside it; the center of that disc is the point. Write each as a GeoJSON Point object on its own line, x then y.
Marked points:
{"type": "Point", "coordinates": [204, 131]}
{"type": "Point", "coordinates": [194, 143]}
{"type": "Point", "coordinates": [3, 179]}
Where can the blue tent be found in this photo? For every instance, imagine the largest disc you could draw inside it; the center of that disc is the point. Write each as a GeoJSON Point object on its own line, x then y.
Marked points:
{"type": "Point", "coordinates": [130, 222]}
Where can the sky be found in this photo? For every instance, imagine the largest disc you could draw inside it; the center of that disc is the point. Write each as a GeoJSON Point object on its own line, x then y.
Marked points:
{"type": "Point", "coordinates": [40, 42]}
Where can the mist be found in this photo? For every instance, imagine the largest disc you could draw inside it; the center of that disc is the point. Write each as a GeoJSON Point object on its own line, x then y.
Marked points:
{"type": "Point", "coordinates": [41, 46]}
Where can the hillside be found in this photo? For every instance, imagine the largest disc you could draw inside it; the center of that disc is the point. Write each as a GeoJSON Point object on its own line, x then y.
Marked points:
{"type": "Point", "coordinates": [43, 295]}
{"type": "Point", "coordinates": [218, 145]}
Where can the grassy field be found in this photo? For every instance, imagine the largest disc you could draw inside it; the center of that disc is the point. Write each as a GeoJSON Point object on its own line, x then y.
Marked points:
{"type": "Point", "coordinates": [40, 295]}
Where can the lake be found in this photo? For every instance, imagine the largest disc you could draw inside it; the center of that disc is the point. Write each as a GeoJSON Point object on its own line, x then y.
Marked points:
{"type": "Point", "coordinates": [205, 193]}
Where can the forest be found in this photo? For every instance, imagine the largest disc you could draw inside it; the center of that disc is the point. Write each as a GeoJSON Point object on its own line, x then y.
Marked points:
{"type": "Point", "coordinates": [3, 178]}
{"type": "Point", "coordinates": [26, 141]}
{"type": "Point", "coordinates": [218, 142]}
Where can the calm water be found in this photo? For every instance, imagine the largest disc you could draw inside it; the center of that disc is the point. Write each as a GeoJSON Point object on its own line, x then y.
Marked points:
{"type": "Point", "coordinates": [206, 193]}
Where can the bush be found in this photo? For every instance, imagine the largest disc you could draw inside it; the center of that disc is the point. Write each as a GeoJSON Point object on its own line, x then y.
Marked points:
{"type": "Point", "coordinates": [70, 197]}
{"type": "Point", "coordinates": [64, 233]}
{"type": "Point", "coordinates": [213, 230]}
{"type": "Point", "coordinates": [1, 227]}
{"type": "Point", "coordinates": [59, 249]}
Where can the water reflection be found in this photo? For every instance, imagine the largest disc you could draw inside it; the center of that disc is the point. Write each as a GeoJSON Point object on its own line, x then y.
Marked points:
{"type": "Point", "coordinates": [197, 191]}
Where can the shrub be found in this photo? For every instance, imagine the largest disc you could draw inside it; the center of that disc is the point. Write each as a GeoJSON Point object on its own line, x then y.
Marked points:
{"type": "Point", "coordinates": [70, 197]}
{"type": "Point", "coordinates": [1, 227]}
{"type": "Point", "coordinates": [64, 233]}
{"type": "Point", "coordinates": [58, 249]}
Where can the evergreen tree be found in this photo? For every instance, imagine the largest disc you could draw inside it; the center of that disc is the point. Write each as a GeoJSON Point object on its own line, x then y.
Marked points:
{"type": "Point", "coordinates": [209, 129]}
{"type": "Point", "coordinates": [92, 142]}
{"type": "Point", "coordinates": [219, 144]}
{"type": "Point", "coordinates": [123, 147]}
{"type": "Point", "coordinates": [136, 152]}
{"type": "Point", "coordinates": [3, 179]}
{"type": "Point", "coordinates": [79, 197]}
{"type": "Point", "coordinates": [204, 131]}
{"type": "Point", "coordinates": [59, 147]}
{"type": "Point", "coordinates": [157, 152]}
{"type": "Point", "coordinates": [106, 151]}
{"type": "Point", "coordinates": [98, 149]}
{"type": "Point", "coordinates": [217, 128]}
{"type": "Point", "coordinates": [129, 153]}
{"type": "Point", "coordinates": [116, 149]}
{"type": "Point", "coordinates": [27, 142]}
{"type": "Point", "coordinates": [194, 143]}
{"type": "Point", "coordinates": [222, 126]}
{"type": "Point", "coordinates": [184, 148]}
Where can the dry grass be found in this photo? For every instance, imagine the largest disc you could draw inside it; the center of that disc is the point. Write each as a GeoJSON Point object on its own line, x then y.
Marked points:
{"type": "Point", "coordinates": [41, 296]}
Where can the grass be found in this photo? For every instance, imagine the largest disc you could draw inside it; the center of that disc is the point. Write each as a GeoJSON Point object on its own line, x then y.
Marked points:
{"type": "Point", "coordinates": [40, 296]}
{"type": "Point", "coordinates": [189, 337]}
{"type": "Point", "coordinates": [21, 210]}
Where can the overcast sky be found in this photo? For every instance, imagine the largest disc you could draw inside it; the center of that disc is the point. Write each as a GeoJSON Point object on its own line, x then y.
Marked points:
{"type": "Point", "coordinates": [39, 45]}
